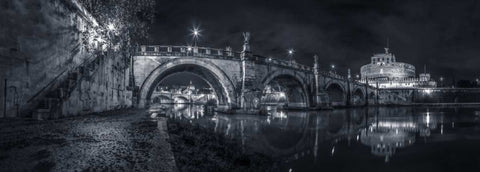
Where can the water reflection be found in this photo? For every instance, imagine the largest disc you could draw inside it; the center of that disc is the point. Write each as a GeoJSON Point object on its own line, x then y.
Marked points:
{"type": "Point", "coordinates": [298, 137]}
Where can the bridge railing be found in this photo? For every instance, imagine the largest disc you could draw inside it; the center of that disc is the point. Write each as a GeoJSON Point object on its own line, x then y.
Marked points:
{"type": "Point", "coordinates": [161, 50]}
{"type": "Point", "coordinates": [332, 75]}
{"type": "Point", "coordinates": [283, 63]}
{"type": "Point", "coordinates": [205, 52]}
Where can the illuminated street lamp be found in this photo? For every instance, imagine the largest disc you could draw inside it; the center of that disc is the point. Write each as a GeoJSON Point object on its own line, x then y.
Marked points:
{"type": "Point", "coordinates": [291, 52]}
{"type": "Point", "coordinates": [189, 50]}
{"type": "Point", "coordinates": [196, 34]}
{"type": "Point", "coordinates": [333, 68]}
{"type": "Point", "coordinates": [441, 81]}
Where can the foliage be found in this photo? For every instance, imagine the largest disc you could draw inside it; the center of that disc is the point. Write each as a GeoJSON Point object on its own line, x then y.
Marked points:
{"type": "Point", "coordinates": [126, 20]}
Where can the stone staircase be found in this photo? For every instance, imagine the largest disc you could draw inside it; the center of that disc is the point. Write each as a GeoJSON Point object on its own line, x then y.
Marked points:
{"type": "Point", "coordinates": [48, 102]}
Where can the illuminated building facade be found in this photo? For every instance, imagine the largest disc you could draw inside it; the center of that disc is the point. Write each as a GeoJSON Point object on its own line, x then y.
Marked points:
{"type": "Point", "coordinates": [385, 72]}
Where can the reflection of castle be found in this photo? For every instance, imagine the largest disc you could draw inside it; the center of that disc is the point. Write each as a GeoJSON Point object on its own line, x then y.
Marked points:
{"type": "Point", "coordinates": [385, 71]}
{"type": "Point", "coordinates": [386, 135]}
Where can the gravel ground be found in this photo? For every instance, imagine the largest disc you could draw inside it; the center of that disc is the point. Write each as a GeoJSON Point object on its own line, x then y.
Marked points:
{"type": "Point", "coordinates": [125, 140]}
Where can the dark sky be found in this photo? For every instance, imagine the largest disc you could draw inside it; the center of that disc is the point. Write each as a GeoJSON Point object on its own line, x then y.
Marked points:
{"type": "Point", "coordinates": [444, 35]}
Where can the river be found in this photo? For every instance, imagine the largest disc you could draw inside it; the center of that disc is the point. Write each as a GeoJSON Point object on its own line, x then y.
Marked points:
{"type": "Point", "coordinates": [357, 139]}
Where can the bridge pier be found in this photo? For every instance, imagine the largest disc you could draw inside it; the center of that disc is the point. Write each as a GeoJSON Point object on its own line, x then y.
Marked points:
{"type": "Point", "coordinates": [320, 97]}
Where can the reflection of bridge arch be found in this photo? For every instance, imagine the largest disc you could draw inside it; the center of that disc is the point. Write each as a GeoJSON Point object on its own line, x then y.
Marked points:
{"type": "Point", "coordinates": [336, 94]}
{"type": "Point", "coordinates": [300, 144]}
{"type": "Point", "coordinates": [295, 86]}
{"type": "Point", "coordinates": [212, 74]}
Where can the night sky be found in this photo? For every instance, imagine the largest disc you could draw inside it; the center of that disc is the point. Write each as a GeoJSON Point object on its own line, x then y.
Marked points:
{"type": "Point", "coordinates": [444, 35]}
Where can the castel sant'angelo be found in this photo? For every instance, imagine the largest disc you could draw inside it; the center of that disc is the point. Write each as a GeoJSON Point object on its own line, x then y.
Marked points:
{"type": "Point", "coordinates": [385, 72]}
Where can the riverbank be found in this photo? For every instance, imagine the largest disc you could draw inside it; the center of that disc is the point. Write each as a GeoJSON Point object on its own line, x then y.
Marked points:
{"type": "Point", "coordinates": [122, 140]}
{"type": "Point", "coordinates": [201, 149]}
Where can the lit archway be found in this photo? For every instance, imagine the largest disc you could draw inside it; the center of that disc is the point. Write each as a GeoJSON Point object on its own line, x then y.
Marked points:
{"type": "Point", "coordinates": [291, 88]}
{"type": "Point", "coordinates": [214, 76]}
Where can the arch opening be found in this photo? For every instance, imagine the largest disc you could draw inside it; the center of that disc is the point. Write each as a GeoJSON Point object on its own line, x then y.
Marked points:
{"type": "Point", "coordinates": [336, 95]}
{"type": "Point", "coordinates": [210, 74]}
{"type": "Point", "coordinates": [358, 98]}
{"type": "Point", "coordinates": [284, 90]}
{"type": "Point", "coordinates": [183, 88]}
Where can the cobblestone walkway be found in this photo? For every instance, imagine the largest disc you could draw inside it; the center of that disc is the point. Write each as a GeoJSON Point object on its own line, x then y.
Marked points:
{"type": "Point", "coordinates": [115, 141]}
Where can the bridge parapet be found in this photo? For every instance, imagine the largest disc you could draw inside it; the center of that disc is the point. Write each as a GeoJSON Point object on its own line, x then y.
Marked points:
{"type": "Point", "coordinates": [206, 52]}
{"type": "Point", "coordinates": [332, 75]}
{"type": "Point", "coordinates": [215, 53]}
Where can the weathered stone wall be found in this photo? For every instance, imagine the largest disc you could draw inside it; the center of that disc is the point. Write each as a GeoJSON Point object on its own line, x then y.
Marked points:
{"type": "Point", "coordinates": [42, 40]}
{"type": "Point", "coordinates": [428, 95]}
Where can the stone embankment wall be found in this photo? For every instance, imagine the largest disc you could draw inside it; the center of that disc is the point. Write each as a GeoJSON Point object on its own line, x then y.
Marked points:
{"type": "Point", "coordinates": [44, 40]}
{"type": "Point", "coordinates": [428, 96]}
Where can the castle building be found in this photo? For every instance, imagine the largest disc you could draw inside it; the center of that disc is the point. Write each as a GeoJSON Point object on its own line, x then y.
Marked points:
{"type": "Point", "coordinates": [385, 72]}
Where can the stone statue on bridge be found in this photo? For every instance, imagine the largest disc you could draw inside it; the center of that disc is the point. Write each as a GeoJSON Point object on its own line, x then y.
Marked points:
{"type": "Point", "coordinates": [246, 42]}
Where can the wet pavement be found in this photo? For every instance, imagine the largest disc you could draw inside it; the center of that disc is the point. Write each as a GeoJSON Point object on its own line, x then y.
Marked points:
{"type": "Point", "coordinates": [126, 140]}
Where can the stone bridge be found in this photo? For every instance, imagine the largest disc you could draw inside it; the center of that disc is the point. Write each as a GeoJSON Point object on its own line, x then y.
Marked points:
{"type": "Point", "coordinates": [239, 79]}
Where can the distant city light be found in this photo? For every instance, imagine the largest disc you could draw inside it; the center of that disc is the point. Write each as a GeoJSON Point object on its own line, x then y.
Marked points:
{"type": "Point", "coordinates": [333, 66]}
{"type": "Point", "coordinates": [428, 91]}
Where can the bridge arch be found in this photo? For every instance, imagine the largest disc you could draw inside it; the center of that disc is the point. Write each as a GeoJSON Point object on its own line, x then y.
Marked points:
{"type": "Point", "coordinates": [297, 94]}
{"type": "Point", "coordinates": [212, 74]}
{"type": "Point", "coordinates": [336, 94]}
{"type": "Point", "coordinates": [358, 97]}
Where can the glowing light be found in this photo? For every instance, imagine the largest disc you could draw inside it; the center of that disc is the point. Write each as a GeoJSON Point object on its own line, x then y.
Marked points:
{"type": "Point", "coordinates": [428, 91]}
{"type": "Point", "coordinates": [396, 124]}
{"type": "Point", "coordinates": [111, 26]}
{"type": "Point", "coordinates": [291, 51]}
{"type": "Point", "coordinates": [428, 119]}
{"type": "Point", "coordinates": [196, 32]}
{"type": "Point", "coordinates": [333, 66]}
{"type": "Point", "coordinates": [189, 48]}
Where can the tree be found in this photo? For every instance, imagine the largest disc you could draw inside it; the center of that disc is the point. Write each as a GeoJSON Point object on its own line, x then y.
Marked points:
{"type": "Point", "coordinates": [125, 22]}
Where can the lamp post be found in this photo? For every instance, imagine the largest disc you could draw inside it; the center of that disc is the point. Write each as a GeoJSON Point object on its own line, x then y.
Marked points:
{"type": "Point", "coordinates": [291, 52]}
{"type": "Point", "coordinates": [195, 34]}
{"type": "Point", "coordinates": [441, 81]}
{"type": "Point", "coordinates": [333, 68]}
